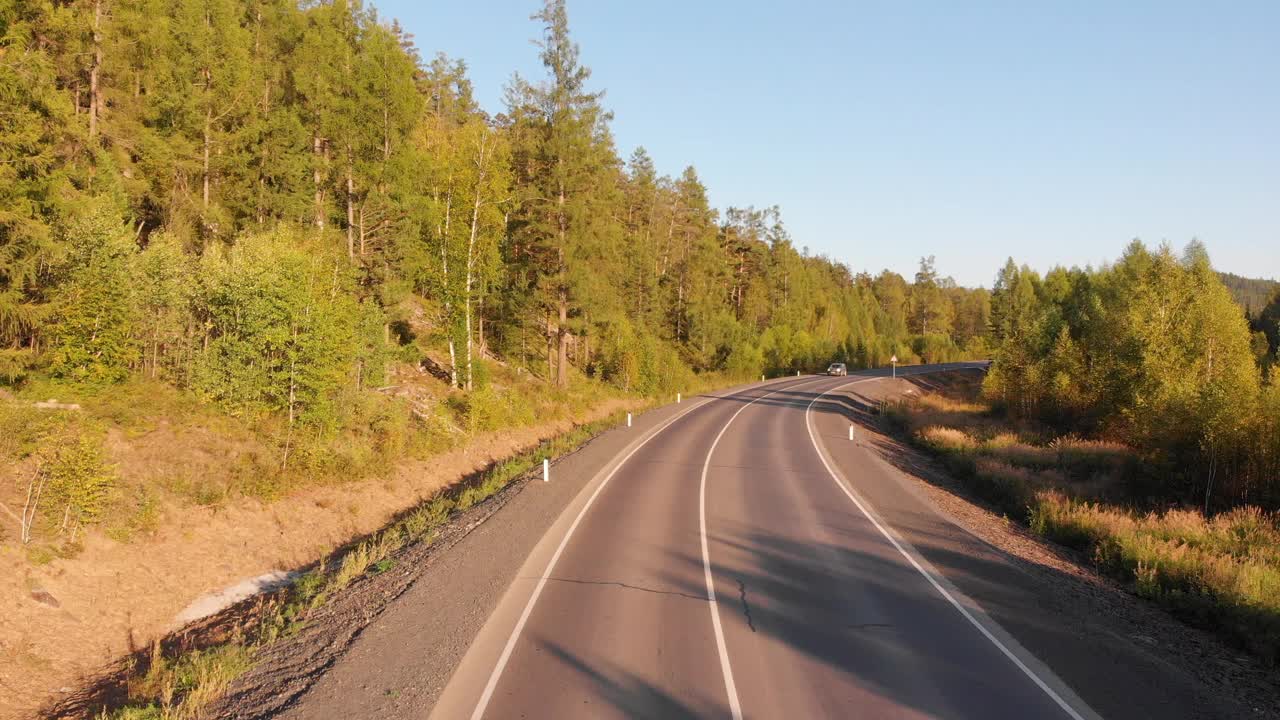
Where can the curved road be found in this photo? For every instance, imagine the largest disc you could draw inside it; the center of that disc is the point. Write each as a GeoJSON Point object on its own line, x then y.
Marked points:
{"type": "Point", "coordinates": [727, 564]}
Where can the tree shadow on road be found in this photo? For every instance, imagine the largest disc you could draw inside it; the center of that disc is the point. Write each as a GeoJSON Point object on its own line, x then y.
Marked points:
{"type": "Point", "coordinates": [626, 693]}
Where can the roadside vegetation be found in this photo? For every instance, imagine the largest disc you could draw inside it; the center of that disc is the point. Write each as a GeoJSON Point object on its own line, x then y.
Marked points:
{"type": "Point", "coordinates": [125, 461]}
{"type": "Point", "coordinates": [253, 248]}
{"type": "Point", "coordinates": [277, 235]}
{"type": "Point", "coordinates": [180, 684]}
{"type": "Point", "coordinates": [1221, 572]}
{"type": "Point", "coordinates": [1132, 414]}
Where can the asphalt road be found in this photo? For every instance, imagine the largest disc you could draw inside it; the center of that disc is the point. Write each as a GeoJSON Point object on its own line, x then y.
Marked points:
{"type": "Point", "coordinates": [735, 562]}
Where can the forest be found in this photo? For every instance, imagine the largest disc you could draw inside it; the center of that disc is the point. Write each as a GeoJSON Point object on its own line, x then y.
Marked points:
{"type": "Point", "coordinates": [265, 203]}
{"type": "Point", "coordinates": [1152, 352]}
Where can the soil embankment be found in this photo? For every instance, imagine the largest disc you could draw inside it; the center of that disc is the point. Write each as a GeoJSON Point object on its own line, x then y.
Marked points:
{"type": "Point", "coordinates": [67, 619]}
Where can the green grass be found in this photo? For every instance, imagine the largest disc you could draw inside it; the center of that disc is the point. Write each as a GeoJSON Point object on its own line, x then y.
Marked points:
{"type": "Point", "coordinates": [180, 688]}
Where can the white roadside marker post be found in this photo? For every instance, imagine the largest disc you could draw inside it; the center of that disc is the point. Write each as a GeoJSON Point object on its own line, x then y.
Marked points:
{"type": "Point", "coordinates": [894, 360]}
{"type": "Point", "coordinates": [761, 378]}
{"type": "Point", "coordinates": [677, 398]}
{"type": "Point", "coordinates": [546, 470]}
{"type": "Point", "coordinates": [797, 373]}
{"type": "Point", "coordinates": [628, 419]}
{"type": "Point", "coordinates": [850, 431]}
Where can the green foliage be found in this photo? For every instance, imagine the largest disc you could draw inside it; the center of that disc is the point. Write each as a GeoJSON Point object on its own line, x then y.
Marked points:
{"type": "Point", "coordinates": [80, 481]}
{"type": "Point", "coordinates": [166, 286]}
{"type": "Point", "coordinates": [282, 326]}
{"type": "Point", "coordinates": [181, 687]}
{"type": "Point", "coordinates": [36, 181]}
{"type": "Point", "coordinates": [1251, 294]}
{"type": "Point", "coordinates": [1152, 351]}
{"type": "Point", "coordinates": [154, 225]}
{"type": "Point", "coordinates": [93, 338]}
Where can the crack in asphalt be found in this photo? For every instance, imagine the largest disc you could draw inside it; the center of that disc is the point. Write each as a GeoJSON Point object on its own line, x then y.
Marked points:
{"type": "Point", "coordinates": [627, 587]}
{"type": "Point", "coordinates": [746, 609]}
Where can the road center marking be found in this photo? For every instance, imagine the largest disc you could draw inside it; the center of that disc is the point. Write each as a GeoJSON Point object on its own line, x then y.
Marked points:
{"type": "Point", "coordinates": [735, 708]}
{"type": "Point", "coordinates": [501, 665]}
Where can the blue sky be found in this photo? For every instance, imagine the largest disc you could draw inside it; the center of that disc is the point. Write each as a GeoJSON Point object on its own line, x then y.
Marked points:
{"type": "Point", "coordinates": [1050, 132]}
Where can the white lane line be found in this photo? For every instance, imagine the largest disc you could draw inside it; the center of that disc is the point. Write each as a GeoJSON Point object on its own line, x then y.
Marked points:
{"type": "Point", "coordinates": [735, 708]}
{"type": "Point", "coordinates": [489, 687]}
{"type": "Point", "coordinates": [551, 564]}
{"type": "Point", "coordinates": [937, 585]}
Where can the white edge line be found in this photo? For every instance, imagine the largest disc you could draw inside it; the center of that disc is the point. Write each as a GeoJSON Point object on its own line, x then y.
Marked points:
{"type": "Point", "coordinates": [1053, 695]}
{"type": "Point", "coordinates": [490, 686]}
{"type": "Point", "coordinates": [555, 557]}
{"type": "Point", "coordinates": [735, 708]}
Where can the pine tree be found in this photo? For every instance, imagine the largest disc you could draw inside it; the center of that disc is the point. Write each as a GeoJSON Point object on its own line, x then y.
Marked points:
{"type": "Point", "coordinates": [201, 102]}
{"type": "Point", "coordinates": [35, 130]}
{"type": "Point", "coordinates": [570, 154]}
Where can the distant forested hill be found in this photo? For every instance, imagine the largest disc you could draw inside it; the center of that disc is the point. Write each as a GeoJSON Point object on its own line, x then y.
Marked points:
{"type": "Point", "coordinates": [1253, 294]}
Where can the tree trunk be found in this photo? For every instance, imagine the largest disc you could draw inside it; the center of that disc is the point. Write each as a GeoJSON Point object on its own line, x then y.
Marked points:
{"type": "Point", "coordinates": [444, 267]}
{"type": "Point", "coordinates": [1213, 470]}
{"type": "Point", "coordinates": [551, 351]}
{"type": "Point", "coordinates": [208, 130]}
{"type": "Point", "coordinates": [562, 293]}
{"type": "Point", "coordinates": [471, 244]}
{"type": "Point", "coordinates": [351, 216]}
{"type": "Point", "coordinates": [362, 234]}
{"type": "Point", "coordinates": [95, 94]}
{"type": "Point", "coordinates": [262, 171]}
{"type": "Point", "coordinates": [317, 147]}
{"type": "Point", "coordinates": [293, 388]}
{"type": "Point", "coordinates": [453, 363]}
{"type": "Point", "coordinates": [471, 251]}
{"type": "Point", "coordinates": [562, 369]}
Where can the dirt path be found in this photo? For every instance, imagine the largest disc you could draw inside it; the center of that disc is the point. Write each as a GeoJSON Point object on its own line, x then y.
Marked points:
{"type": "Point", "coordinates": [63, 621]}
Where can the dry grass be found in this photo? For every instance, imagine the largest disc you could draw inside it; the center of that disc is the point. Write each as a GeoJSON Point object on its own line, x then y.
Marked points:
{"type": "Point", "coordinates": [939, 410]}
{"type": "Point", "coordinates": [178, 689]}
{"type": "Point", "coordinates": [947, 439]}
{"type": "Point", "coordinates": [1009, 448]}
{"type": "Point", "coordinates": [1082, 457]}
{"type": "Point", "coordinates": [1222, 573]}
{"type": "Point", "coordinates": [944, 404]}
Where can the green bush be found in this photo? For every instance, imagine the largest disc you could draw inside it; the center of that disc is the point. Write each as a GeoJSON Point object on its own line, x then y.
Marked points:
{"type": "Point", "coordinates": [92, 337]}
{"type": "Point", "coordinates": [284, 328]}
{"type": "Point", "coordinates": [80, 482]}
